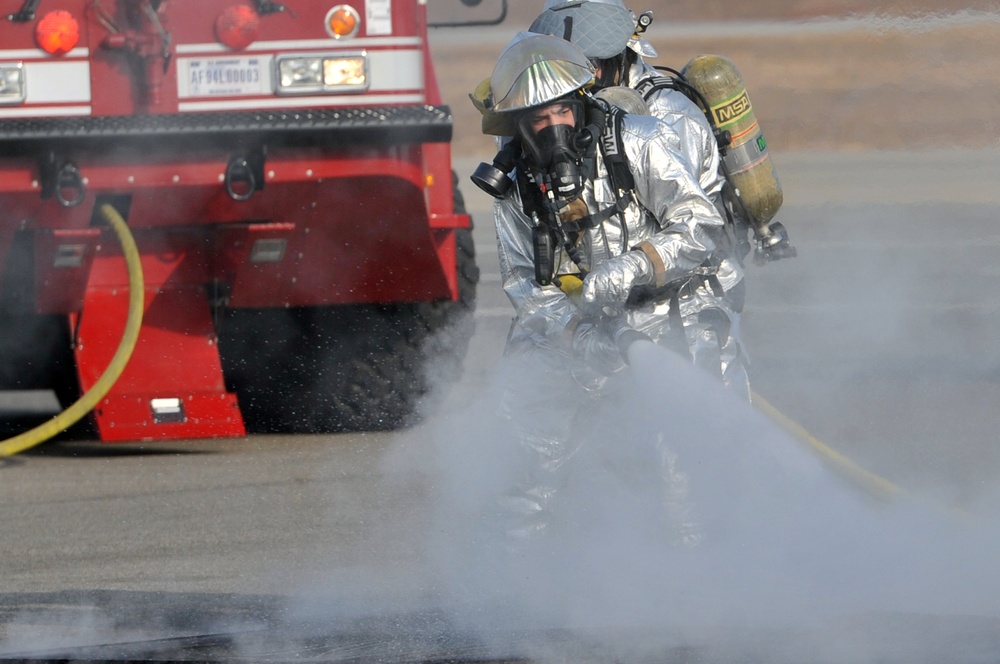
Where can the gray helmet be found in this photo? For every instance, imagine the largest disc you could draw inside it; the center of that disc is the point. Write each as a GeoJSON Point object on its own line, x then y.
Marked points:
{"type": "Point", "coordinates": [603, 28]}
{"type": "Point", "coordinates": [634, 41]}
{"type": "Point", "coordinates": [534, 70]}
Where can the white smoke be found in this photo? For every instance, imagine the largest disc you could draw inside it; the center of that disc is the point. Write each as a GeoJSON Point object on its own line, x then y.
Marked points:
{"type": "Point", "coordinates": [785, 544]}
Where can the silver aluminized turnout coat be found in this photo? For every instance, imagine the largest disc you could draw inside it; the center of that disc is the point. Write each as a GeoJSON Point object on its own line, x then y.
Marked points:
{"type": "Point", "coordinates": [560, 355]}
{"type": "Point", "coordinates": [656, 232]}
{"type": "Point", "coordinates": [678, 227]}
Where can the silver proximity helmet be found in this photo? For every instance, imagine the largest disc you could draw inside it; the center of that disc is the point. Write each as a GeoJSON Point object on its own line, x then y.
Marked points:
{"type": "Point", "coordinates": [536, 69]}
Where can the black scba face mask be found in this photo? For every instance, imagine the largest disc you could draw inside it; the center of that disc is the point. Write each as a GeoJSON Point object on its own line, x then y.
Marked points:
{"type": "Point", "coordinates": [557, 152]}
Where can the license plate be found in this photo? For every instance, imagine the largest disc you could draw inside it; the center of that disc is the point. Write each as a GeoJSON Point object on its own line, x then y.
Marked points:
{"type": "Point", "coordinates": [224, 77]}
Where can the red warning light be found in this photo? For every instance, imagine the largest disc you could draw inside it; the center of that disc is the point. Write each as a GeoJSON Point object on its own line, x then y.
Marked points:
{"type": "Point", "coordinates": [237, 27]}
{"type": "Point", "coordinates": [57, 33]}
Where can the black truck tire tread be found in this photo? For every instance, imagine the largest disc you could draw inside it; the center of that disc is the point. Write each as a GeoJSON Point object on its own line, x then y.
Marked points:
{"type": "Point", "coordinates": [349, 368]}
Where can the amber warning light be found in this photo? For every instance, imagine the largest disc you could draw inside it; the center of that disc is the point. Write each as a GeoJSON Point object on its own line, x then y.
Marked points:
{"type": "Point", "coordinates": [57, 33]}
{"type": "Point", "coordinates": [342, 21]}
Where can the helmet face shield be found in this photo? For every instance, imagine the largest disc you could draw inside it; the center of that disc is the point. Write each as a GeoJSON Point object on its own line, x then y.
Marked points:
{"type": "Point", "coordinates": [537, 83]}
{"type": "Point", "coordinates": [536, 69]}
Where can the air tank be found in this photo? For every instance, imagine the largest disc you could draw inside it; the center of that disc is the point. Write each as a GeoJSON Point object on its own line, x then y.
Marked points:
{"type": "Point", "coordinates": [748, 165]}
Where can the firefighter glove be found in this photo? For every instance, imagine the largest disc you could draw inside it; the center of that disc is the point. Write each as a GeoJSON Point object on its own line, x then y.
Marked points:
{"type": "Point", "coordinates": [606, 288]}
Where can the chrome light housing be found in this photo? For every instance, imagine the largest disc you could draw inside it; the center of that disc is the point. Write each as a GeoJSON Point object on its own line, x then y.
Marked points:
{"type": "Point", "coordinates": [12, 83]}
{"type": "Point", "coordinates": [325, 73]}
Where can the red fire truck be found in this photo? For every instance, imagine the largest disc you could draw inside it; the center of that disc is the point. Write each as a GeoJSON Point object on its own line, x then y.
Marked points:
{"type": "Point", "coordinates": [285, 172]}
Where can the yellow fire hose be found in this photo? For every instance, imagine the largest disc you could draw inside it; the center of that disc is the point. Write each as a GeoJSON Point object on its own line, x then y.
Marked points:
{"type": "Point", "coordinates": [83, 405]}
{"type": "Point", "coordinates": [874, 484]}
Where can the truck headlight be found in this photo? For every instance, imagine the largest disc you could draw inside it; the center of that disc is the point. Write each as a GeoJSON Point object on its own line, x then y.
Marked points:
{"type": "Point", "coordinates": [11, 83]}
{"type": "Point", "coordinates": [322, 73]}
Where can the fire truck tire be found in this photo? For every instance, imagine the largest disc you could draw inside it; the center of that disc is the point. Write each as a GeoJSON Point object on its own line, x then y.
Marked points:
{"type": "Point", "coordinates": [348, 368]}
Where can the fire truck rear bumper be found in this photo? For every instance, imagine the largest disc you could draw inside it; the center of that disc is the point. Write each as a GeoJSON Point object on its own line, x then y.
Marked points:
{"type": "Point", "coordinates": [387, 125]}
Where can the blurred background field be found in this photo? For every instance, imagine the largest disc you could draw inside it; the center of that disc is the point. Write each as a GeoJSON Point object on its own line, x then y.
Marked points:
{"type": "Point", "coordinates": [822, 74]}
{"type": "Point", "coordinates": [699, 10]}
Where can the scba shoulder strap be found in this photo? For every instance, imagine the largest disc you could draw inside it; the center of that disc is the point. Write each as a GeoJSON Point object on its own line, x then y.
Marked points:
{"type": "Point", "coordinates": [613, 149]}
{"type": "Point", "coordinates": [652, 84]}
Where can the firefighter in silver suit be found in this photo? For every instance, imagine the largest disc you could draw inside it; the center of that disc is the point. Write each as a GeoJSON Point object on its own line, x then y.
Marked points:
{"type": "Point", "coordinates": [606, 31]}
{"type": "Point", "coordinates": [605, 235]}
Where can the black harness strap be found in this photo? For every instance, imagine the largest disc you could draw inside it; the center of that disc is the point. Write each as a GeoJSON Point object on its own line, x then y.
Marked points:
{"type": "Point", "coordinates": [613, 150]}
{"type": "Point", "coordinates": [598, 218]}
{"type": "Point", "coordinates": [653, 84]}
{"type": "Point", "coordinates": [531, 196]}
